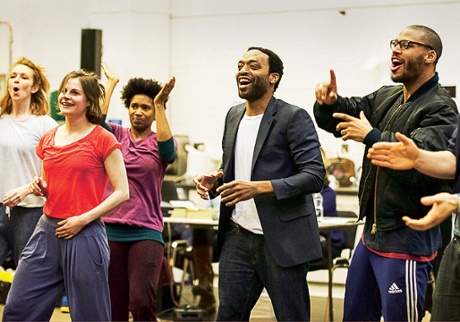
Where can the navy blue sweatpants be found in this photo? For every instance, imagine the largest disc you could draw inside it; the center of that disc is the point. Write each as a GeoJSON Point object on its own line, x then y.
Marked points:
{"type": "Point", "coordinates": [379, 286]}
{"type": "Point", "coordinates": [48, 265]}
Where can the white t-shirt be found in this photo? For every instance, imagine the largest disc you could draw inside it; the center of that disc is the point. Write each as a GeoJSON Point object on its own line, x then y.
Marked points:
{"type": "Point", "coordinates": [18, 161]}
{"type": "Point", "coordinates": [245, 213]}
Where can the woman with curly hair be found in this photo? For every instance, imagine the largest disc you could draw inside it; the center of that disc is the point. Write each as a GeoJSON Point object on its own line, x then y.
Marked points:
{"type": "Point", "coordinates": [135, 228]}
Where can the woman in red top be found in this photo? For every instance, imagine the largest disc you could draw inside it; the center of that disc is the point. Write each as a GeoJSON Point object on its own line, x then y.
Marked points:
{"type": "Point", "coordinates": [69, 248]}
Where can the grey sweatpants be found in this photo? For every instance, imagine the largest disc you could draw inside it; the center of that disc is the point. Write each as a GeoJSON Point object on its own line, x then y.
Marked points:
{"type": "Point", "coordinates": [49, 265]}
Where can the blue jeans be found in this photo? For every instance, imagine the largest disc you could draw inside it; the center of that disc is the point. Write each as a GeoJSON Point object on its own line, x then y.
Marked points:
{"type": "Point", "coordinates": [16, 229]}
{"type": "Point", "coordinates": [246, 266]}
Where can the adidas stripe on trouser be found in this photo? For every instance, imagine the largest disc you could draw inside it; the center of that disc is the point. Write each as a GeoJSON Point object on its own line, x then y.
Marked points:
{"type": "Point", "coordinates": [376, 286]}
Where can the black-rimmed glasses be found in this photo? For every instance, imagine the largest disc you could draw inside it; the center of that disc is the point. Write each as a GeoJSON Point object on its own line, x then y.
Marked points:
{"type": "Point", "coordinates": [404, 44]}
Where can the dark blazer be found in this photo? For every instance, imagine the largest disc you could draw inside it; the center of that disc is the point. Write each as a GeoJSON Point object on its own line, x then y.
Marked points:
{"type": "Point", "coordinates": [286, 153]}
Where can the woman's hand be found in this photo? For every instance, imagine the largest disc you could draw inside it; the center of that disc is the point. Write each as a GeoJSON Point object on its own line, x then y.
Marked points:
{"type": "Point", "coordinates": [39, 187]}
{"type": "Point", "coordinates": [15, 196]}
{"type": "Point", "coordinates": [70, 227]}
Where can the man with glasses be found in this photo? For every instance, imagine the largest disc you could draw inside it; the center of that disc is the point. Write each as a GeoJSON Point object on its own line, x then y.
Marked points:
{"type": "Point", "coordinates": [389, 272]}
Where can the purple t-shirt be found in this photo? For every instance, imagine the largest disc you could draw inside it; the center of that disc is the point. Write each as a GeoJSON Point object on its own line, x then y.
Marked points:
{"type": "Point", "coordinates": [146, 171]}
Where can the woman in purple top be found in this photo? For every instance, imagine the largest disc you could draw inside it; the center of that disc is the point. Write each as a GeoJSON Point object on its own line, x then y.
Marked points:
{"type": "Point", "coordinates": [134, 229]}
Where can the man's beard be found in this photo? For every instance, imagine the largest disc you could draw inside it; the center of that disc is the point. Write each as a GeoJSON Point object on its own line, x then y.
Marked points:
{"type": "Point", "coordinates": [259, 88]}
{"type": "Point", "coordinates": [412, 70]}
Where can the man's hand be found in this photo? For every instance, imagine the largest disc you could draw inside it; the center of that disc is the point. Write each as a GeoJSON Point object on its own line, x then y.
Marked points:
{"type": "Point", "coordinates": [239, 190]}
{"type": "Point", "coordinates": [207, 182]}
{"type": "Point", "coordinates": [326, 92]}
{"type": "Point", "coordinates": [400, 155]}
{"type": "Point", "coordinates": [353, 128]}
{"type": "Point", "coordinates": [444, 204]}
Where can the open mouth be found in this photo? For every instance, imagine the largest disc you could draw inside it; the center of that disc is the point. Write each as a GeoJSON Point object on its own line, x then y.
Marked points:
{"type": "Point", "coordinates": [243, 82]}
{"type": "Point", "coordinates": [395, 64]}
{"type": "Point", "coordinates": [62, 103]}
{"type": "Point", "coordinates": [16, 89]}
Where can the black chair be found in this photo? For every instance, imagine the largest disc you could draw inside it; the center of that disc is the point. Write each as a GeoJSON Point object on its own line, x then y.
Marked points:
{"type": "Point", "coordinates": [350, 238]}
{"type": "Point", "coordinates": [169, 191]}
{"type": "Point", "coordinates": [177, 250]}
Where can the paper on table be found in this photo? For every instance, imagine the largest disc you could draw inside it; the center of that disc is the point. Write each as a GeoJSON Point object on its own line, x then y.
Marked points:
{"type": "Point", "coordinates": [209, 213]}
{"type": "Point", "coordinates": [183, 204]}
{"type": "Point", "coordinates": [338, 220]}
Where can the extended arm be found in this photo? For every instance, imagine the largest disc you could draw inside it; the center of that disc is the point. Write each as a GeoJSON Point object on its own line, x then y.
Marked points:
{"type": "Point", "coordinates": [404, 155]}
{"type": "Point", "coordinates": [443, 205]}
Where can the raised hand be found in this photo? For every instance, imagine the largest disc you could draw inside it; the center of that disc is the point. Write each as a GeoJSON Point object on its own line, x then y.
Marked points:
{"type": "Point", "coordinates": [162, 96]}
{"type": "Point", "coordinates": [112, 81]}
{"type": "Point", "coordinates": [326, 92]}
{"type": "Point", "coordinates": [109, 74]}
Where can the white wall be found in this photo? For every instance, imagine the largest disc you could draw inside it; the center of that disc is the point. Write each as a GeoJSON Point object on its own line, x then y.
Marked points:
{"type": "Point", "coordinates": [135, 37]}
{"type": "Point", "coordinates": [201, 41]}
{"type": "Point", "coordinates": [209, 37]}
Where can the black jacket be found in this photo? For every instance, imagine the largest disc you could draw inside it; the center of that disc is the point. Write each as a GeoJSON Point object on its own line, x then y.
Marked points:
{"type": "Point", "coordinates": [286, 153]}
{"type": "Point", "coordinates": [429, 118]}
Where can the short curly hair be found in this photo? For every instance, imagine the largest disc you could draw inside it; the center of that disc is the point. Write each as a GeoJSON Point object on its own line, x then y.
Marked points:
{"type": "Point", "coordinates": [140, 86]}
{"type": "Point", "coordinates": [275, 64]}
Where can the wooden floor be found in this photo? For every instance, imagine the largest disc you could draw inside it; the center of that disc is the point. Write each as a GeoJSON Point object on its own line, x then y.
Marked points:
{"type": "Point", "coordinates": [262, 312]}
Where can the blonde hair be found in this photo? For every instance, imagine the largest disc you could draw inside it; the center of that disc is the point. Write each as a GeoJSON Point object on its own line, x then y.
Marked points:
{"type": "Point", "coordinates": [39, 104]}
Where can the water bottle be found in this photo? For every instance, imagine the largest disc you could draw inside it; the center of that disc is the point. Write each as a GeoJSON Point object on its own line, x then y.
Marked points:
{"type": "Point", "coordinates": [318, 200]}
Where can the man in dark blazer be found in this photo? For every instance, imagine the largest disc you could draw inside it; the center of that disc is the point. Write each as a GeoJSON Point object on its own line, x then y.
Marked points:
{"type": "Point", "coordinates": [268, 231]}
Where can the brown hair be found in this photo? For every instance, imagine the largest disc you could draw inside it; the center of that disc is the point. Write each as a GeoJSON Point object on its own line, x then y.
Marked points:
{"type": "Point", "coordinates": [93, 90]}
